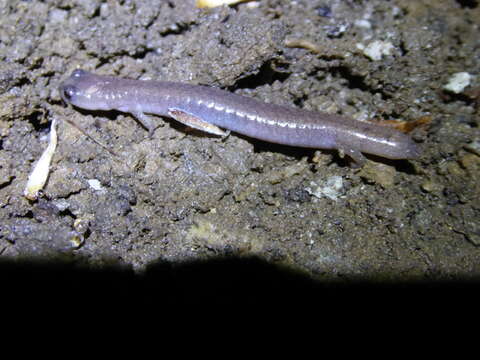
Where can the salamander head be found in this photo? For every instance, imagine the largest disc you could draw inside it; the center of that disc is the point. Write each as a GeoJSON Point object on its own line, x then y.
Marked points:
{"type": "Point", "coordinates": [85, 90]}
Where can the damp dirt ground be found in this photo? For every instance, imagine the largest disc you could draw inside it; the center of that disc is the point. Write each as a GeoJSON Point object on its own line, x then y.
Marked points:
{"type": "Point", "coordinates": [181, 199]}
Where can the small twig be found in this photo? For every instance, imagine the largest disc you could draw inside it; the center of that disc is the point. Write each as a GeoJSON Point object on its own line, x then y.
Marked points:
{"type": "Point", "coordinates": [301, 43]}
{"type": "Point", "coordinates": [323, 52]}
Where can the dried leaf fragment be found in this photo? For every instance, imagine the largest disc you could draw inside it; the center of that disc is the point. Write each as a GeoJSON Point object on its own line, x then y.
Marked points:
{"type": "Point", "coordinates": [38, 176]}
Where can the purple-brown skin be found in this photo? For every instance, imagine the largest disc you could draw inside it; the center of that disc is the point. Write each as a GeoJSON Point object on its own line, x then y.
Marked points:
{"type": "Point", "coordinates": [210, 109]}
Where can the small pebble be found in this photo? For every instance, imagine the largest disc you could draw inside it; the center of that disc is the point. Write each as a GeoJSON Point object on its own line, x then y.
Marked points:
{"type": "Point", "coordinates": [458, 82]}
{"type": "Point", "coordinates": [432, 187]}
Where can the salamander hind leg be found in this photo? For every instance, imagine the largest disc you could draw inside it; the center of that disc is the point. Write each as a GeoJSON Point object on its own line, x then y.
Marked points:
{"type": "Point", "coordinates": [195, 122]}
{"type": "Point", "coordinates": [354, 154]}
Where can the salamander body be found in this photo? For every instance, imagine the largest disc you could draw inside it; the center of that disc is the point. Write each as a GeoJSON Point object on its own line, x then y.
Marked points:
{"type": "Point", "coordinates": [212, 109]}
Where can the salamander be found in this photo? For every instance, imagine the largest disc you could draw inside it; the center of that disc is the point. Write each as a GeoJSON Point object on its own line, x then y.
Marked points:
{"type": "Point", "coordinates": [212, 110]}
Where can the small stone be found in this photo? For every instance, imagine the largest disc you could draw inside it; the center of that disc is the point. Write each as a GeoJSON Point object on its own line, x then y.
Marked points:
{"type": "Point", "coordinates": [458, 82]}
{"type": "Point", "coordinates": [454, 169]}
{"type": "Point", "coordinates": [95, 184]}
{"type": "Point", "coordinates": [332, 189]}
{"type": "Point", "coordinates": [474, 147]}
{"type": "Point", "coordinates": [471, 162]}
{"type": "Point", "coordinates": [376, 49]}
{"type": "Point", "coordinates": [474, 238]}
{"type": "Point", "coordinates": [430, 186]}
{"type": "Point", "coordinates": [378, 173]}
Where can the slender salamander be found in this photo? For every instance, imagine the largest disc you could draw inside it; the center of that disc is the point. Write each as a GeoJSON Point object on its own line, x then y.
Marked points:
{"type": "Point", "coordinates": [210, 109]}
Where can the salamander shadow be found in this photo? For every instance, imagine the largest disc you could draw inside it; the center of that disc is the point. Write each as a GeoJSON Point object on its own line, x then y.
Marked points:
{"type": "Point", "coordinates": [225, 282]}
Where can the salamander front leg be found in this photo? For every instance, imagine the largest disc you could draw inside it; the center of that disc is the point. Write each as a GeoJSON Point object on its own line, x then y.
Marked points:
{"type": "Point", "coordinates": [195, 122]}
{"type": "Point", "coordinates": [146, 121]}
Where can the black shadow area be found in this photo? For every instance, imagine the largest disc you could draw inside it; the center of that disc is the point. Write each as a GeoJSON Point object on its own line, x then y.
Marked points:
{"type": "Point", "coordinates": [223, 285]}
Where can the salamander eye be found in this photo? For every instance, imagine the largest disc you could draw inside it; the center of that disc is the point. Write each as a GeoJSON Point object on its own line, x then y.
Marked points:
{"type": "Point", "coordinates": [68, 92]}
{"type": "Point", "coordinates": [79, 72]}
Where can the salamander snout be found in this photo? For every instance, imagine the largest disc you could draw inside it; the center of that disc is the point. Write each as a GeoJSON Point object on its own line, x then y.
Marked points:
{"type": "Point", "coordinates": [71, 89]}
{"type": "Point", "coordinates": [68, 92]}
